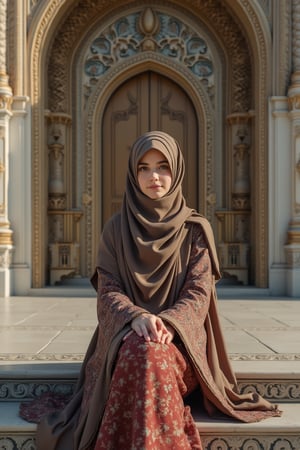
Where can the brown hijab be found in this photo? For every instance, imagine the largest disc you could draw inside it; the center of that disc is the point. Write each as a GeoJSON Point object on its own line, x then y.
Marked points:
{"type": "Point", "coordinates": [150, 239]}
{"type": "Point", "coordinates": [147, 247]}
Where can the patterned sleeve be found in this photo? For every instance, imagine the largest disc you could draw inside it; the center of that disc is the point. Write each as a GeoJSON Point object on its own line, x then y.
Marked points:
{"type": "Point", "coordinates": [114, 307]}
{"type": "Point", "coordinates": [191, 307]}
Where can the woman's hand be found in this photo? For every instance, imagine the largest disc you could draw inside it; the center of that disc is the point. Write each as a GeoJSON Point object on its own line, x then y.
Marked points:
{"type": "Point", "coordinates": [152, 328]}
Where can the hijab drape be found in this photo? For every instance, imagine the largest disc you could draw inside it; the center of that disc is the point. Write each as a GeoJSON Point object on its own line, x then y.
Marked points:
{"type": "Point", "coordinates": [152, 241]}
{"type": "Point", "coordinates": [146, 248]}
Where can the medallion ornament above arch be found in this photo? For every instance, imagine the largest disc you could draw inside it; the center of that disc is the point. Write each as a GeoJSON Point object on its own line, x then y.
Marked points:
{"type": "Point", "coordinates": [152, 31]}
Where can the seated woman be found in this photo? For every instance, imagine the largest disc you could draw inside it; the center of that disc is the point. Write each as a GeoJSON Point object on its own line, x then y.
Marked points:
{"type": "Point", "coordinates": [158, 337]}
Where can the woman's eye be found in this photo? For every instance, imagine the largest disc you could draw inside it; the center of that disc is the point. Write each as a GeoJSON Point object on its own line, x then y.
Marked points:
{"type": "Point", "coordinates": [164, 167]}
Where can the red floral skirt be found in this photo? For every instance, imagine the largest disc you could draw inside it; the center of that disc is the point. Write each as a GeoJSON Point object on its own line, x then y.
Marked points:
{"type": "Point", "coordinates": [145, 409]}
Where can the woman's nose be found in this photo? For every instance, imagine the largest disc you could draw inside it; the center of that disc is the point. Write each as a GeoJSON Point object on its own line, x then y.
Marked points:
{"type": "Point", "coordinates": [154, 174]}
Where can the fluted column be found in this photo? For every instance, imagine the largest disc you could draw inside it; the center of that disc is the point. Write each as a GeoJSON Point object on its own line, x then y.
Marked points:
{"type": "Point", "coordinates": [293, 238]}
{"type": "Point", "coordinates": [6, 234]}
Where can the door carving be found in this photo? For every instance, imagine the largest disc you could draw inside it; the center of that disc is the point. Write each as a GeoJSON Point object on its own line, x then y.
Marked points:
{"type": "Point", "coordinates": [148, 101]}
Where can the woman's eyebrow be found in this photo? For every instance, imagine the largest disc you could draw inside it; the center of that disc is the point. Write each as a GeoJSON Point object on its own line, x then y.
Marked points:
{"type": "Point", "coordinates": [157, 162]}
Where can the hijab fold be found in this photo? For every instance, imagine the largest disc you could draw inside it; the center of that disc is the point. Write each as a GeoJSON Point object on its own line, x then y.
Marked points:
{"type": "Point", "coordinates": [151, 238]}
{"type": "Point", "coordinates": [146, 247]}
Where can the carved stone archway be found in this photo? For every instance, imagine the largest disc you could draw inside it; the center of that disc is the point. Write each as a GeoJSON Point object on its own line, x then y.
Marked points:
{"type": "Point", "coordinates": [74, 28]}
{"type": "Point", "coordinates": [95, 110]}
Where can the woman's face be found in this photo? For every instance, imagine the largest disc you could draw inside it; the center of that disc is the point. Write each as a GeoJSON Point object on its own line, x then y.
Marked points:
{"type": "Point", "coordinates": [154, 174]}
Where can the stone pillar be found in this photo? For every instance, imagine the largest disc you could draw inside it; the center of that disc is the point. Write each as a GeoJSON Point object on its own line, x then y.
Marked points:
{"type": "Point", "coordinates": [279, 192]}
{"type": "Point", "coordinates": [58, 124]}
{"type": "Point", "coordinates": [6, 234]}
{"type": "Point", "coordinates": [292, 249]}
{"type": "Point", "coordinates": [234, 227]}
{"type": "Point", "coordinates": [64, 248]}
{"type": "Point", "coordinates": [20, 207]}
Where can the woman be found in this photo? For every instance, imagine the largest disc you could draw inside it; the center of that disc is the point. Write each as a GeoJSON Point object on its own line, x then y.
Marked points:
{"type": "Point", "coordinates": [158, 337]}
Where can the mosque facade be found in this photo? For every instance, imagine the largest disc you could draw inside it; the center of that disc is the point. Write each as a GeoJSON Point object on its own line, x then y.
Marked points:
{"type": "Point", "coordinates": [81, 79]}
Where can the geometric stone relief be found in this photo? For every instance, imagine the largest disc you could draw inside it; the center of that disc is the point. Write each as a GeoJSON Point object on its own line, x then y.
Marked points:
{"type": "Point", "coordinates": [148, 31]}
{"type": "Point", "coordinates": [266, 442]}
{"type": "Point", "coordinates": [17, 443]}
{"type": "Point", "coordinates": [231, 442]}
{"type": "Point", "coordinates": [208, 442]}
{"type": "Point", "coordinates": [280, 391]}
{"type": "Point", "coordinates": [265, 357]}
{"type": "Point", "coordinates": [74, 357]}
{"type": "Point", "coordinates": [23, 390]}
{"type": "Point", "coordinates": [78, 357]}
{"type": "Point", "coordinates": [112, 51]}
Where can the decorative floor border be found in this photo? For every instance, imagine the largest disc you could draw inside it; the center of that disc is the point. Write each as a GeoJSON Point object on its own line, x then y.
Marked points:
{"type": "Point", "coordinates": [209, 442]}
{"type": "Point", "coordinates": [21, 390]}
{"type": "Point", "coordinates": [65, 357]}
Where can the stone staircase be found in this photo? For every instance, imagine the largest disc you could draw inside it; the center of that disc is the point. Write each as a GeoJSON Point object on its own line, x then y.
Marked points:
{"type": "Point", "coordinates": [278, 381]}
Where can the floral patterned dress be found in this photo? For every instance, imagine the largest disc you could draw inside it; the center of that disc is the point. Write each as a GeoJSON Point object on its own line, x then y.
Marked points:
{"type": "Point", "coordinates": [130, 394]}
{"type": "Point", "coordinates": [145, 408]}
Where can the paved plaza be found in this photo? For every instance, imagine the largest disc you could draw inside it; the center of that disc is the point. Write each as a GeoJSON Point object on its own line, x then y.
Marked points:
{"type": "Point", "coordinates": [53, 329]}
{"type": "Point", "coordinates": [43, 340]}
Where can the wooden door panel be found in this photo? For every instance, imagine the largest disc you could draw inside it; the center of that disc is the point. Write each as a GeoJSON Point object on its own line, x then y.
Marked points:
{"type": "Point", "coordinates": [146, 102]}
{"type": "Point", "coordinates": [173, 112]}
{"type": "Point", "coordinates": [124, 119]}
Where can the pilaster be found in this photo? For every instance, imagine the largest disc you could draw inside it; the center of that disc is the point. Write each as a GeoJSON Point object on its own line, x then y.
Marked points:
{"type": "Point", "coordinates": [234, 223]}
{"type": "Point", "coordinates": [280, 169]}
{"type": "Point", "coordinates": [6, 234]}
{"type": "Point", "coordinates": [19, 196]}
{"type": "Point", "coordinates": [292, 248]}
{"type": "Point", "coordinates": [64, 256]}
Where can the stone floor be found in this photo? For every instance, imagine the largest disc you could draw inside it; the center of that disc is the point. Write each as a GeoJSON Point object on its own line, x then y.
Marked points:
{"type": "Point", "coordinates": [44, 337]}
{"type": "Point", "coordinates": [60, 328]}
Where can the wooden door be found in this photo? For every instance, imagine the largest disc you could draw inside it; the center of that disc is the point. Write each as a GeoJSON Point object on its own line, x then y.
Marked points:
{"type": "Point", "coordinates": [146, 102]}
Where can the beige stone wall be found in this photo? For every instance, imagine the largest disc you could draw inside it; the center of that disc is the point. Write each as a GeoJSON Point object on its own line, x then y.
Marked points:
{"type": "Point", "coordinates": [251, 52]}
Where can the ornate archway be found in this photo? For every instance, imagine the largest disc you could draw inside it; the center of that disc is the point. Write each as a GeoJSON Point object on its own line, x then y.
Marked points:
{"type": "Point", "coordinates": [236, 108]}
{"type": "Point", "coordinates": [205, 140]}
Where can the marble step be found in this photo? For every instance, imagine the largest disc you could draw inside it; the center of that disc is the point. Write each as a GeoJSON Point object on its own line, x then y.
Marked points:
{"type": "Point", "coordinates": [82, 288]}
{"type": "Point", "coordinates": [277, 381]}
{"type": "Point", "coordinates": [280, 433]}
